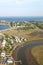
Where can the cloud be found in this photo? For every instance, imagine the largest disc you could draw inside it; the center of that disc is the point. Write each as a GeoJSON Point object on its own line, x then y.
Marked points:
{"type": "Point", "coordinates": [26, 1]}
{"type": "Point", "coordinates": [15, 1]}
{"type": "Point", "coordinates": [4, 1]}
{"type": "Point", "coordinates": [19, 1]}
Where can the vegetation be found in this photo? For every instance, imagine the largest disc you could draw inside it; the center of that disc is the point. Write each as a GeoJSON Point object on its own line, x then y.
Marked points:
{"type": "Point", "coordinates": [11, 24]}
{"type": "Point", "coordinates": [39, 24]}
{"type": "Point", "coordinates": [37, 52]}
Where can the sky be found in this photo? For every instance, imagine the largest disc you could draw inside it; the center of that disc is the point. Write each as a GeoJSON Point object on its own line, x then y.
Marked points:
{"type": "Point", "coordinates": [21, 7]}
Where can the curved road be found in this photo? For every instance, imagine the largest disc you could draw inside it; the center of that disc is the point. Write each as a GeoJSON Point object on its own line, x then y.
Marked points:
{"type": "Point", "coordinates": [21, 53]}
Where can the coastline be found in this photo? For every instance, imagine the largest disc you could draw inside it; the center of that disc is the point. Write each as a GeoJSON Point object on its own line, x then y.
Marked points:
{"type": "Point", "coordinates": [7, 29]}
{"type": "Point", "coordinates": [19, 47]}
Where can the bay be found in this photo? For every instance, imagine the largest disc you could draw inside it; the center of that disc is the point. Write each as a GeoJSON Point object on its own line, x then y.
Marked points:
{"type": "Point", "coordinates": [3, 27]}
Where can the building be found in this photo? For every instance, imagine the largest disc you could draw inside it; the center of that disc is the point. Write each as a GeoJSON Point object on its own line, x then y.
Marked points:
{"type": "Point", "coordinates": [3, 43]}
{"type": "Point", "coordinates": [3, 54]}
{"type": "Point", "coordinates": [10, 61]}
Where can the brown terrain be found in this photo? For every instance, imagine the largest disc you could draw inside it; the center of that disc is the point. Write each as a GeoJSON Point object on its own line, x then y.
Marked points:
{"type": "Point", "coordinates": [37, 52]}
{"type": "Point", "coordinates": [29, 57]}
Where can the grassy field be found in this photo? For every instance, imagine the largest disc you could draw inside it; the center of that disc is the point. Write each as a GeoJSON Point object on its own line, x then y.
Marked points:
{"type": "Point", "coordinates": [32, 34]}
{"type": "Point", "coordinates": [37, 52]}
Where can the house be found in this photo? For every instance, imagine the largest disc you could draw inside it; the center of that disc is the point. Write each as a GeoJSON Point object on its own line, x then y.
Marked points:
{"type": "Point", "coordinates": [17, 39]}
{"type": "Point", "coordinates": [3, 43]}
{"type": "Point", "coordinates": [10, 60]}
{"type": "Point", "coordinates": [2, 62]}
{"type": "Point", "coordinates": [10, 46]}
{"type": "Point", "coordinates": [3, 54]}
{"type": "Point", "coordinates": [11, 40]}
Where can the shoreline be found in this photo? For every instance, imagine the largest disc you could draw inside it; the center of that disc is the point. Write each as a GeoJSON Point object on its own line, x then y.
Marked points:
{"type": "Point", "coordinates": [7, 29]}
{"type": "Point", "coordinates": [14, 54]}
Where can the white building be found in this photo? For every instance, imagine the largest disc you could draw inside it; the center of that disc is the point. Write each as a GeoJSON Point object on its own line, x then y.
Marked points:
{"type": "Point", "coordinates": [10, 61]}
{"type": "Point", "coordinates": [12, 41]}
{"type": "Point", "coordinates": [17, 39]}
{"type": "Point", "coordinates": [3, 54]}
{"type": "Point", "coordinates": [3, 43]}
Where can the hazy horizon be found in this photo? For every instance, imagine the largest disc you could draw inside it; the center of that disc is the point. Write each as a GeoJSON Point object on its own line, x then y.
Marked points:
{"type": "Point", "coordinates": [21, 8]}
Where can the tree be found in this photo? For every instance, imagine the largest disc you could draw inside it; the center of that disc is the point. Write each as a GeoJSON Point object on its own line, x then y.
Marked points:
{"type": "Point", "coordinates": [11, 24]}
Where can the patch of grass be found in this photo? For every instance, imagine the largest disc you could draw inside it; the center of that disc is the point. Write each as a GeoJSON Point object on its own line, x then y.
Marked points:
{"type": "Point", "coordinates": [37, 52]}
{"type": "Point", "coordinates": [27, 28]}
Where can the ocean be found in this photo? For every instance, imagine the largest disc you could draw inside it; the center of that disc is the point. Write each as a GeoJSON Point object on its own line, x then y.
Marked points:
{"type": "Point", "coordinates": [22, 18]}
{"type": "Point", "coordinates": [3, 27]}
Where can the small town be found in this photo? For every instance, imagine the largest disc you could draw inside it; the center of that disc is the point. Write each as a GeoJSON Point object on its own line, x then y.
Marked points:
{"type": "Point", "coordinates": [7, 43]}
